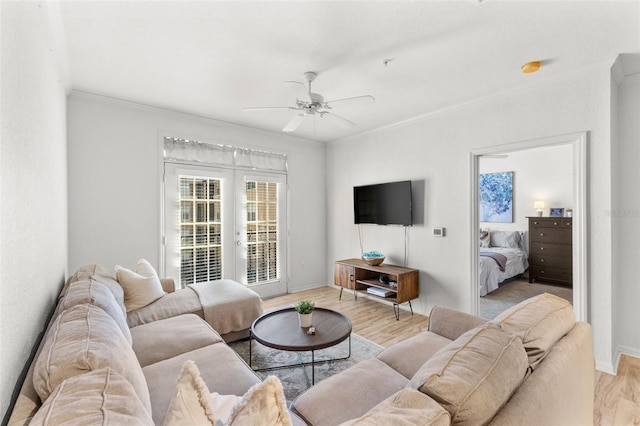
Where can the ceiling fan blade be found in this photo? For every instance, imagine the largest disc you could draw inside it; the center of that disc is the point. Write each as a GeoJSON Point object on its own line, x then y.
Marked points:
{"type": "Point", "coordinates": [340, 121]}
{"type": "Point", "coordinates": [251, 109]}
{"type": "Point", "coordinates": [357, 100]}
{"type": "Point", "coordinates": [300, 90]}
{"type": "Point", "coordinates": [294, 123]}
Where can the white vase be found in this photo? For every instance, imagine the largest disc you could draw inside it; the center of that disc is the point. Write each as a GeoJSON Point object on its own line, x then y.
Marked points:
{"type": "Point", "coordinates": [305, 320]}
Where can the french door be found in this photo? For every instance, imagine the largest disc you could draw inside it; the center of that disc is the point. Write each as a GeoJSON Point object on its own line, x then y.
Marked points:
{"type": "Point", "coordinates": [225, 223]}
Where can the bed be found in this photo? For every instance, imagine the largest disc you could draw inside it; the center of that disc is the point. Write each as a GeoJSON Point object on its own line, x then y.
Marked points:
{"type": "Point", "coordinates": [503, 256]}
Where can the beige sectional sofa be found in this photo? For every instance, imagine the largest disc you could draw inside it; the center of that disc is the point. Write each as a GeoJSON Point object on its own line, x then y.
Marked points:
{"type": "Point", "coordinates": [91, 367]}
{"type": "Point", "coordinates": [531, 365]}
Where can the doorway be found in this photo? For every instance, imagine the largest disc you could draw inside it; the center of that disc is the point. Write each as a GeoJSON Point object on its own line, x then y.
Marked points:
{"type": "Point", "coordinates": [225, 223]}
{"type": "Point", "coordinates": [578, 143]}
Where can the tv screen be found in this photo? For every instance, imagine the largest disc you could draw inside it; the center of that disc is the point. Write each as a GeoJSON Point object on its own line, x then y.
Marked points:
{"type": "Point", "coordinates": [383, 204]}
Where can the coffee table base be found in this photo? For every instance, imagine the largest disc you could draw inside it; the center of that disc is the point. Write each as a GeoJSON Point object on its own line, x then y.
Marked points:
{"type": "Point", "coordinates": [301, 364]}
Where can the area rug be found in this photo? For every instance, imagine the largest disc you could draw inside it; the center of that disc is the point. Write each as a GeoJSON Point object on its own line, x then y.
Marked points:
{"type": "Point", "coordinates": [515, 292]}
{"type": "Point", "coordinates": [297, 379]}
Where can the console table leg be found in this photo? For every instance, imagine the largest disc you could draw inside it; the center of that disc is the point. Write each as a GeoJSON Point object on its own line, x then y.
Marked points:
{"type": "Point", "coordinates": [396, 311]}
{"type": "Point", "coordinates": [411, 307]}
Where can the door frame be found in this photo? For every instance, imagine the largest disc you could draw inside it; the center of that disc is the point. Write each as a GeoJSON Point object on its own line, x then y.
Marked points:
{"type": "Point", "coordinates": [580, 217]}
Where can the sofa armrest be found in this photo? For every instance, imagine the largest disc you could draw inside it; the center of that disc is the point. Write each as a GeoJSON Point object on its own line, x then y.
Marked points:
{"type": "Point", "coordinates": [450, 323]}
{"type": "Point", "coordinates": [168, 284]}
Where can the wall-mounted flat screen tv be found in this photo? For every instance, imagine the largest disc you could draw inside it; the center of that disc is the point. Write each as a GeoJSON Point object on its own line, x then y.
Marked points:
{"type": "Point", "coordinates": [383, 204]}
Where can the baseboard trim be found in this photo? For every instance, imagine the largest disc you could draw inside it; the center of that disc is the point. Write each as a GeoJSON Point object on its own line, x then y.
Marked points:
{"type": "Point", "coordinates": [605, 367]}
{"type": "Point", "coordinates": [624, 350]}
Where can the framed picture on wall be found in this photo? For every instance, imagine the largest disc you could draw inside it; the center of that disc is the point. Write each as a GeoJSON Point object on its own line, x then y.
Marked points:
{"type": "Point", "coordinates": [556, 212]}
{"type": "Point", "coordinates": [496, 197]}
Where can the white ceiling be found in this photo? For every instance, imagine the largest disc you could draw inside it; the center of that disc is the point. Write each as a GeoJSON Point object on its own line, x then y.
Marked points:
{"type": "Point", "coordinates": [211, 58]}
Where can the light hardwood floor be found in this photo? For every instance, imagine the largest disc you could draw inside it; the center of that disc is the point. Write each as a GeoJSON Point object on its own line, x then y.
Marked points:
{"type": "Point", "coordinates": [617, 398]}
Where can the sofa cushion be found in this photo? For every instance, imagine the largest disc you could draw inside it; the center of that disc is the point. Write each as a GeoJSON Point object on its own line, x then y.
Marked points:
{"type": "Point", "coordinates": [350, 394]}
{"type": "Point", "coordinates": [98, 397]}
{"type": "Point", "coordinates": [407, 356]}
{"type": "Point", "coordinates": [192, 404]}
{"type": "Point", "coordinates": [170, 305]}
{"type": "Point", "coordinates": [169, 337]}
{"type": "Point", "coordinates": [82, 339]}
{"type": "Point", "coordinates": [406, 407]}
{"type": "Point", "coordinates": [220, 367]}
{"type": "Point", "coordinates": [100, 274]}
{"type": "Point", "coordinates": [475, 375]}
{"type": "Point", "coordinates": [540, 322]}
{"type": "Point", "coordinates": [97, 294]}
{"type": "Point", "coordinates": [141, 286]}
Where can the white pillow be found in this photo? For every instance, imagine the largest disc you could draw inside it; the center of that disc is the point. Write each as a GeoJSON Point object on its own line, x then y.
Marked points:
{"type": "Point", "coordinates": [264, 403]}
{"type": "Point", "coordinates": [141, 286]}
{"type": "Point", "coordinates": [485, 237]}
{"type": "Point", "coordinates": [506, 239]}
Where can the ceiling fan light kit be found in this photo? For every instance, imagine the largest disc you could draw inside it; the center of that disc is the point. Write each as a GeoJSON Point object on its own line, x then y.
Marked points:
{"type": "Point", "coordinates": [313, 104]}
{"type": "Point", "coordinates": [530, 67]}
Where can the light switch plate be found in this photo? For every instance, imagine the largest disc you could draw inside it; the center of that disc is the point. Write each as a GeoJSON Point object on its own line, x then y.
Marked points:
{"type": "Point", "coordinates": [438, 232]}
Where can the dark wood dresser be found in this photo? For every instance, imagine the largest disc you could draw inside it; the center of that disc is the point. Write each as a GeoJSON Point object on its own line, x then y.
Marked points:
{"type": "Point", "coordinates": [550, 251]}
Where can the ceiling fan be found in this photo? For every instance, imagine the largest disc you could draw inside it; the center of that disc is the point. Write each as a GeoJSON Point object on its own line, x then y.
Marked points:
{"type": "Point", "coordinates": [312, 104]}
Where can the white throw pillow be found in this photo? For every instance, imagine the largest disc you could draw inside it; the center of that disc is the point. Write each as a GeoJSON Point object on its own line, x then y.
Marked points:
{"type": "Point", "coordinates": [141, 286]}
{"type": "Point", "coordinates": [264, 403]}
{"type": "Point", "coordinates": [485, 237]}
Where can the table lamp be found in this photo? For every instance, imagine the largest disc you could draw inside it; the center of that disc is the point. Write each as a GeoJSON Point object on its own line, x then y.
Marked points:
{"type": "Point", "coordinates": [539, 206]}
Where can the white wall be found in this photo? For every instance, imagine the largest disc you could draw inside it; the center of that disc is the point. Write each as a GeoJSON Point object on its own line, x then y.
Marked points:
{"type": "Point", "coordinates": [115, 163]}
{"type": "Point", "coordinates": [625, 212]}
{"type": "Point", "coordinates": [33, 186]}
{"type": "Point", "coordinates": [436, 150]}
{"type": "Point", "coordinates": [544, 174]}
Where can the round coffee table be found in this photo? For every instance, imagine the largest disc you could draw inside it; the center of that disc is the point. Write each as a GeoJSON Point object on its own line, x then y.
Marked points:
{"type": "Point", "coordinates": [279, 329]}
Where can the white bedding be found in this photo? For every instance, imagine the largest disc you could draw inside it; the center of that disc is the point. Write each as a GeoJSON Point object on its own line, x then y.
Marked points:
{"type": "Point", "coordinates": [490, 274]}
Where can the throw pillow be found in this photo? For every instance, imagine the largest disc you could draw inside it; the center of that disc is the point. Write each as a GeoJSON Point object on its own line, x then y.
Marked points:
{"type": "Point", "coordinates": [264, 403]}
{"type": "Point", "coordinates": [405, 407]}
{"type": "Point", "coordinates": [475, 375]}
{"type": "Point", "coordinates": [485, 237]}
{"type": "Point", "coordinates": [540, 322]}
{"type": "Point", "coordinates": [506, 239]}
{"type": "Point", "coordinates": [141, 286]}
{"type": "Point", "coordinates": [99, 397]}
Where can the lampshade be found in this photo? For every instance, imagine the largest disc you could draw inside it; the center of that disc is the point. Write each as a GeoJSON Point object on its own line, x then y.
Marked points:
{"type": "Point", "coordinates": [538, 205]}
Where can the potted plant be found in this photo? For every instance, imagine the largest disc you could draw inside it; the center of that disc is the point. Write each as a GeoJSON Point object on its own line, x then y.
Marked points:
{"type": "Point", "coordinates": [304, 308]}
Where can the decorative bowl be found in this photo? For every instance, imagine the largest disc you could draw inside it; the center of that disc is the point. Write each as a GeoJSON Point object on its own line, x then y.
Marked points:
{"type": "Point", "coordinates": [373, 257]}
{"type": "Point", "coordinates": [373, 261]}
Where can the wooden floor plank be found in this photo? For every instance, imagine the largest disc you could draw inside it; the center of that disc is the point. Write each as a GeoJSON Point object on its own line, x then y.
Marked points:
{"type": "Point", "coordinates": [617, 398]}
{"type": "Point", "coordinates": [369, 318]}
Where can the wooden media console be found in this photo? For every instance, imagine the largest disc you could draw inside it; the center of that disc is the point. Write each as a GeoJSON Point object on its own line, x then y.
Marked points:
{"type": "Point", "coordinates": [357, 275]}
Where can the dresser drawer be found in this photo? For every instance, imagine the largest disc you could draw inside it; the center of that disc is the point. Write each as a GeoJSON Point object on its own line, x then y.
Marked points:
{"type": "Point", "coordinates": [550, 223]}
{"type": "Point", "coordinates": [553, 249]}
{"type": "Point", "coordinates": [543, 260]}
{"type": "Point", "coordinates": [550, 235]}
{"type": "Point", "coordinates": [544, 273]}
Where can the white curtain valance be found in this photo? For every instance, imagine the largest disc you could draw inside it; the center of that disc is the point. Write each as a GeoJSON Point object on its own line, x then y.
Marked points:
{"type": "Point", "coordinates": [176, 149]}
